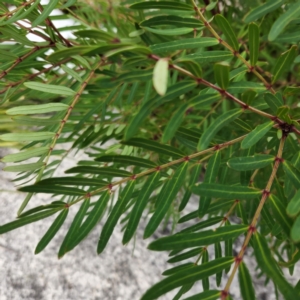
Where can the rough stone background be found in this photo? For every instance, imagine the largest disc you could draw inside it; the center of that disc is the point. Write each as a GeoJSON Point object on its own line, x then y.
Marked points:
{"type": "Point", "coordinates": [120, 273]}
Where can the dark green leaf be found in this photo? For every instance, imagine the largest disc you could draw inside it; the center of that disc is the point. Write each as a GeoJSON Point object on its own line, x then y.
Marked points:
{"type": "Point", "coordinates": [207, 295]}
{"type": "Point", "coordinates": [253, 43]}
{"type": "Point", "coordinates": [72, 181]}
{"type": "Point", "coordinates": [162, 5]}
{"type": "Point", "coordinates": [185, 255]}
{"type": "Point", "coordinates": [210, 56]}
{"type": "Point", "coordinates": [205, 258]}
{"type": "Point", "coordinates": [218, 254]}
{"type": "Point", "coordinates": [293, 208]}
{"type": "Point", "coordinates": [106, 171]}
{"type": "Point", "coordinates": [209, 222]}
{"type": "Point", "coordinates": [171, 20]}
{"type": "Point", "coordinates": [250, 162]}
{"type": "Point", "coordinates": [222, 74]}
{"type": "Point", "coordinates": [52, 189]}
{"type": "Point", "coordinates": [273, 102]}
{"type": "Point", "coordinates": [245, 281]}
{"type": "Point", "coordinates": [45, 13]}
{"type": "Point", "coordinates": [295, 232]}
{"type": "Point", "coordinates": [292, 173]}
{"type": "Point", "coordinates": [128, 160]}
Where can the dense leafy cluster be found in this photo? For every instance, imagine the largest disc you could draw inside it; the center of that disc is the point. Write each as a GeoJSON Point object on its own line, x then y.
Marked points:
{"type": "Point", "coordinates": [168, 99]}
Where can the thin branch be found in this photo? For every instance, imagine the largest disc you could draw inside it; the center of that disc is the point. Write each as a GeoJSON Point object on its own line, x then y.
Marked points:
{"type": "Point", "coordinates": [9, 13]}
{"type": "Point", "coordinates": [252, 227]}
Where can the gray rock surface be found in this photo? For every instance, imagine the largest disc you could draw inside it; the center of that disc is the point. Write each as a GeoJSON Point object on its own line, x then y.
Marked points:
{"type": "Point", "coordinates": [119, 273]}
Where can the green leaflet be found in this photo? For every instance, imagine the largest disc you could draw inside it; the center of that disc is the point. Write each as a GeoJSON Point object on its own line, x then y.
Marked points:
{"type": "Point", "coordinates": [172, 32]}
{"type": "Point", "coordinates": [51, 232]}
{"type": "Point", "coordinates": [27, 220]}
{"type": "Point", "coordinates": [273, 102]}
{"type": "Point", "coordinates": [262, 10]}
{"type": "Point", "coordinates": [280, 214]}
{"type": "Point", "coordinates": [210, 56]}
{"type": "Point", "coordinates": [162, 5]}
{"type": "Point", "coordinates": [160, 76]}
{"type": "Point", "coordinates": [174, 123]}
{"type": "Point", "coordinates": [245, 281]}
{"type": "Point", "coordinates": [72, 73]}
{"type": "Point", "coordinates": [50, 88]}
{"type": "Point", "coordinates": [23, 155]}
{"type": "Point", "coordinates": [171, 20]}
{"type": "Point", "coordinates": [207, 295]}
{"type": "Point", "coordinates": [209, 222]}
{"type": "Point", "coordinates": [285, 61]}
{"type": "Point", "coordinates": [75, 225]}
{"type": "Point", "coordinates": [203, 100]}
{"type": "Point", "coordinates": [217, 125]}
{"type": "Point", "coordinates": [293, 208]}
{"type": "Point", "coordinates": [52, 189]}
{"type": "Point", "coordinates": [190, 43]}
{"type": "Point", "coordinates": [253, 35]}
{"type": "Point", "coordinates": [203, 238]}
{"type": "Point", "coordinates": [228, 31]}
{"type": "Point", "coordinates": [91, 221]}
{"type": "Point", "coordinates": [154, 146]}
{"type": "Point", "coordinates": [72, 181]}
{"type": "Point", "coordinates": [95, 34]}
{"type": "Point", "coordinates": [255, 135]}
{"type": "Point", "coordinates": [225, 191]}
{"type": "Point", "coordinates": [165, 200]}
{"type": "Point", "coordinates": [186, 255]}
{"type": "Point", "coordinates": [114, 215]}
{"type": "Point", "coordinates": [174, 270]}
{"type": "Point", "coordinates": [205, 258]}
{"type": "Point", "coordinates": [268, 265]}
{"type": "Point", "coordinates": [106, 171]}
{"type": "Point", "coordinates": [53, 205]}
{"type": "Point", "coordinates": [218, 254]}
{"type": "Point", "coordinates": [172, 93]}
{"type": "Point", "coordinates": [35, 121]}
{"type": "Point", "coordinates": [45, 13]}
{"type": "Point", "coordinates": [128, 160]}
{"type": "Point", "coordinates": [187, 276]}
{"type": "Point", "coordinates": [278, 26]}
{"type": "Point", "coordinates": [210, 177]}
{"type": "Point", "coordinates": [295, 232]}
{"type": "Point", "coordinates": [69, 52]}
{"type": "Point", "coordinates": [27, 136]}
{"type": "Point", "coordinates": [222, 74]}
{"type": "Point", "coordinates": [139, 206]}
{"type": "Point", "coordinates": [24, 167]}
{"type": "Point", "coordinates": [250, 162]}
{"type": "Point", "coordinates": [292, 173]}
{"type": "Point", "coordinates": [37, 109]}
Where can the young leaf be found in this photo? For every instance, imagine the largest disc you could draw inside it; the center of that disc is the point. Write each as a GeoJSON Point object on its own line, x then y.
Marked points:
{"type": "Point", "coordinates": [171, 32]}
{"type": "Point", "coordinates": [285, 61]}
{"type": "Point", "coordinates": [207, 295]}
{"type": "Point", "coordinates": [295, 232]}
{"type": "Point", "coordinates": [217, 125]}
{"type": "Point", "coordinates": [253, 43]}
{"type": "Point", "coordinates": [293, 208]}
{"type": "Point", "coordinates": [173, 186]}
{"type": "Point", "coordinates": [225, 191]}
{"type": "Point", "coordinates": [27, 136]}
{"type": "Point", "coordinates": [245, 281]}
{"type": "Point", "coordinates": [292, 173]}
{"type": "Point", "coordinates": [114, 216]}
{"type": "Point", "coordinates": [139, 207]}
{"type": "Point", "coordinates": [75, 225]}
{"type": "Point", "coordinates": [250, 162]}
{"type": "Point", "coordinates": [162, 5]}
{"type": "Point", "coordinates": [24, 167]}
{"type": "Point", "coordinates": [228, 31]}
{"type": "Point", "coordinates": [255, 135]}
{"type": "Point", "coordinates": [45, 13]}
{"type": "Point", "coordinates": [50, 88]}
{"type": "Point", "coordinates": [37, 109]}
{"type": "Point", "coordinates": [203, 238]}
{"type": "Point", "coordinates": [160, 76]}
{"type": "Point", "coordinates": [51, 232]}
{"type": "Point", "coordinates": [32, 152]}
{"type": "Point", "coordinates": [187, 276]}
{"type": "Point", "coordinates": [27, 220]}
{"type": "Point", "coordinates": [278, 26]}
{"type": "Point", "coordinates": [222, 74]}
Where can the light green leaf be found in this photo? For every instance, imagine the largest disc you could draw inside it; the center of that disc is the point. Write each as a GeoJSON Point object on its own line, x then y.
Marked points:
{"type": "Point", "coordinates": [171, 20]}
{"type": "Point", "coordinates": [45, 13]}
{"type": "Point", "coordinates": [165, 200]}
{"type": "Point", "coordinates": [228, 31]}
{"type": "Point", "coordinates": [207, 295]}
{"type": "Point", "coordinates": [187, 276]}
{"type": "Point", "coordinates": [139, 207]}
{"type": "Point", "coordinates": [217, 125]}
{"type": "Point", "coordinates": [27, 136]}
{"type": "Point", "coordinates": [27, 220]}
{"type": "Point", "coordinates": [250, 162]}
{"type": "Point", "coordinates": [114, 215]}
{"type": "Point", "coordinates": [203, 238]}
{"type": "Point", "coordinates": [50, 88]}
{"type": "Point", "coordinates": [52, 189]}
{"type": "Point", "coordinates": [72, 73]}
{"type": "Point", "coordinates": [95, 34]}
{"type": "Point", "coordinates": [253, 43]}
{"type": "Point", "coordinates": [172, 32]}
{"type": "Point", "coordinates": [51, 232]}
{"type": "Point", "coordinates": [292, 173]}
{"type": "Point", "coordinates": [190, 43]}
{"type": "Point", "coordinates": [37, 109]}
{"type": "Point", "coordinates": [160, 76]}
{"type": "Point", "coordinates": [245, 281]}
{"type": "Point", "coordinates": [24, 167]}
{"type": "Point", "coordinates": [295, 232]}
{"type": "Point", "coordinates": [285, 61]}
{"type": "Point", "coordinates": [222, 74]}
{"type": "Point", "coordinates": [32, 152]}
{"type": "Point", "coordinates": [262, 10]}
{"type": "Point", "coordinates": [225, 191]}
{"type": "Point", "coordinates": [255, 135]}
{"type": "Point", "coordinates": [70, 52]}
{"type": "Point", "coordinates": [293, 208]}
{"type": "Point", "coordinates": [278, 26]}
{"type": "Point", "coordinates": [162, 5]}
